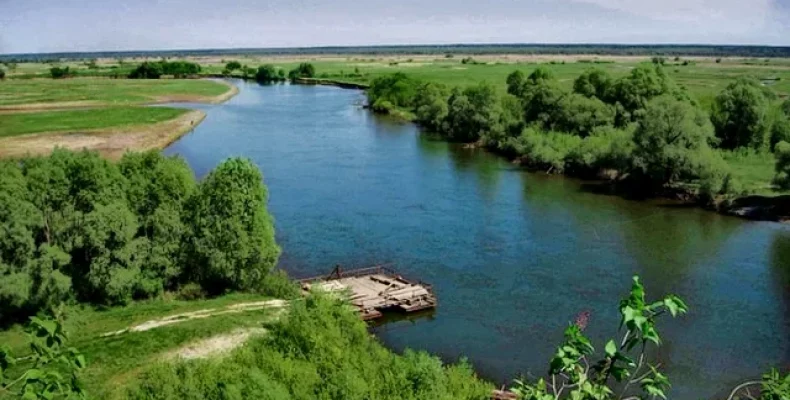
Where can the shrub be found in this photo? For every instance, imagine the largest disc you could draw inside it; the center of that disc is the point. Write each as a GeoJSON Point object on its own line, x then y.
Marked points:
{"type": "Point", "coordinates": [60, 73]}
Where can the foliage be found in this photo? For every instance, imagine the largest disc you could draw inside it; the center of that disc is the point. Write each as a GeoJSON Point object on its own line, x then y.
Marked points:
{"type": "Point", "coordinates": [472, 114]}
{"type": "Point", "coordinates": [232, 66]}
{"type": "Point", "coordinates": [430, 106]}
{"type": "Point", "coordinates": [782, 153]}
{"type": "Point", "coordinates": [740, 115]}
{"type": "Point", "coordinates": [631, 93]}
{"type": "Point", "coordinates": [50, 372]}
{"type": "Point", "coordinates": [147, 70]}
{"type": "Point", "coordinates": [593, 83]}
{"type": "Point", "coordinates": [304, 70]}
{"type": "Point", "coordinates": [77, 226]}
{"type": "Point", "coordinates": [2, 74]}
{"type": "Point", "coordinates": [319, 349]}
{"type": "Point", "coordinates": [154, 70]}
{"type": "Point", "coordinates": [267, 73]}
{"type": "Point", "coordinates": [574, 374]}
{"type": "Point", "coordinates": [60, 72]}
{"type": "Point", "coordinates": [672, 141]}
{"type": "Point", "coordinates": [231, 242]}
{"type": "Point", "coordinates": [397, 89]}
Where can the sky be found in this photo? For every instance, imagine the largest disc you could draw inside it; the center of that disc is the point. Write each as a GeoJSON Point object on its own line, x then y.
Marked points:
{"type": "Point", "coordinates": [39, 26]}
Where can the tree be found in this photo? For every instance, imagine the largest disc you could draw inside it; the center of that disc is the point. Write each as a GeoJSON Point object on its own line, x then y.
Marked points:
{"type": "Point", "coordinates": [473, 113]}
{"type": "Point", "coordinates": [304, 70]}
{"type": "Point", "coordinates": [581, 115]}
{"type": "Point", "coordinates": [266, 73]}
{"type": "Point", "coordinates": [632, 92]}
{"type": "Point", "coordinates": [430, 106]}
{"type": "Point", "coordinates": [2, 74]}
{"type": "Point", "coordinates": [593, 83]}
{"type": "Point", "coordinates": [624, 364]}
{"type": "Point", "coordinates": [60, 73]}
{"type": "Point", "coordinates": [672, 141]}
{"type": "Point", "coordinates": [232, 235]}
{"type": "Point", "coordinates": [147, 70]}
{"type": "Point", "coordinates": [397, 89]}
{"type": "Point", "coordinates": [740, 115]}
{"type": "Point", "coordinates": [51, 372]}
{"type": "Point", "coordinates": [785, 107]}
{"type": "Point", "coordinates": [232, 66]}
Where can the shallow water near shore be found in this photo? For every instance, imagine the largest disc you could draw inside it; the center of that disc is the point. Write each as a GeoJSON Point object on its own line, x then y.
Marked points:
{"type": "Point", "coordinates": [513, 256]}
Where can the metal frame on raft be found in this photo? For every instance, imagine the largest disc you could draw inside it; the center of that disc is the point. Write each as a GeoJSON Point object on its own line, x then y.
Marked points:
{"type": "Point", "coordinates": [376, 290]}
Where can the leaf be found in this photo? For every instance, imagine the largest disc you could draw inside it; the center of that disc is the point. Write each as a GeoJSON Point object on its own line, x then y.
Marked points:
{"type": "Point", "coordinates": [611, 348]}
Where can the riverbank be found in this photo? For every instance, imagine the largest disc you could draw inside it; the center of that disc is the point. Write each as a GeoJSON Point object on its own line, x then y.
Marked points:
{"type": "Point", "coordinates": [109, 142]}
{"type": "Point", "coordinates": [109, 116]}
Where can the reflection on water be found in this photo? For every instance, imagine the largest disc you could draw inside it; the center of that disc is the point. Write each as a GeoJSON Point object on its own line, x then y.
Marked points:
{"type": "Point", "coordinates": [512, 256]}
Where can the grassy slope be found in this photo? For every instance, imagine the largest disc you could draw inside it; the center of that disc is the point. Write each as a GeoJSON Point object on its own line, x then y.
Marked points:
{"type": "Point", "coordinates": [79, 120]}
{"type": "Point", "coordinates": [103, 91]}
{"type": "Point", "coordinates": [113, 361]}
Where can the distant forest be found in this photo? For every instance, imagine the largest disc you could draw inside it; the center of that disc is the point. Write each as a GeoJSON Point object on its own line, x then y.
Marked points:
{"type": "Point", "coordinates": [591, 49]}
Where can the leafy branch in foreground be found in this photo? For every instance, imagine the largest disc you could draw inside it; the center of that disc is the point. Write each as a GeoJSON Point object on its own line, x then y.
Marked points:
{"type": "Point", "coordinates": [623, 368]}
{"type": "Point", "coordinates": [50, 372]}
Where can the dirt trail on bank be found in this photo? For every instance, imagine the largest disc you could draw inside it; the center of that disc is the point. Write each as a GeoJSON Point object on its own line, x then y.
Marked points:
{"type": "Point", "coordinates": [200, 314]}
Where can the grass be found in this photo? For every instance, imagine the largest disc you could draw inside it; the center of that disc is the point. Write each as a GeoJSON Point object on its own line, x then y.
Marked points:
{"type": "Point", "coordinates": [113, 361]}
{"type": "Point", "coordinates": [84, 119]}
{"type": "Point", "coordinates": [107, 92]}
{"type": "Point", "coordinates": [754, 171]}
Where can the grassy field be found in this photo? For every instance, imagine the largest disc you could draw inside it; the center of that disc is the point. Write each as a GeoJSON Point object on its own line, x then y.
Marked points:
{"type": "Point", "coordinates": [113, 361]}
{"type": "Point", "coordinates": [106, 92]}
{"type": "Point", "coordinates": [13, 124]}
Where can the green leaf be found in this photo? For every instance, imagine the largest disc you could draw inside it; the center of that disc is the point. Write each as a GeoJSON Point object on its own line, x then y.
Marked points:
{"type": "Point", "coordinates": [611, 348]}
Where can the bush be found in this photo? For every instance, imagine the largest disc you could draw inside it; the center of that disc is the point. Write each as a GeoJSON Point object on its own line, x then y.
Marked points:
{"type": "Point", "coordinates": [304, 70]}
{"type": "Point", "coordinates": [266, 73]}
{"type": "Point", "coordinates": [672, 141]}
{"type": "Point", "coordinates": [2, 74]}
{"type": "Point", "coordinates": [319, 349]}
{"type": "Point", "coordinates": [782, 154]}
{"type": "Point", "coordinates": [741, 115]}
{"type": "Point", "coordinates": [147, 70]}
{"type": "Point", "coordinates": [60, 73]}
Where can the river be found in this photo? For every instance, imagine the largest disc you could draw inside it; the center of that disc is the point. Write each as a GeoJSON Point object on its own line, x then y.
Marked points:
{"type": "Point", "coordinates": [513, 256]}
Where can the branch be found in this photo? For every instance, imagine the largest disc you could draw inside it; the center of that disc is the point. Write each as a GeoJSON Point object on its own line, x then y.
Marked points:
{"type": "Point", "coordinates": [742, 386]}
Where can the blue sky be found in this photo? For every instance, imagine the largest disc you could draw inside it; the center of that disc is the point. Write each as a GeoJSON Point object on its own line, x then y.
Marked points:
{"type": "Point", "coordinates": [90, 25]}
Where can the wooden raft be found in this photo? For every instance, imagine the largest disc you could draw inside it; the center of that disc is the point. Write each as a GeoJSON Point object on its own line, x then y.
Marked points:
{"type": "Point", "coordinates": [376, 290]}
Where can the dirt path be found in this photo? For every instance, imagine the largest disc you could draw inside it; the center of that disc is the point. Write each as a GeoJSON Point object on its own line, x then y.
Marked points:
{"type": "Point", "coordinates": [200, 314]}
{"type": "Point", "coordinates": [214, 346]}
{"type": "Point", "coordinates": [111, 143]}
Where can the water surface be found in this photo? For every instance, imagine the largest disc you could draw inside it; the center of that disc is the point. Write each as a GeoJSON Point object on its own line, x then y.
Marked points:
{"type": "Point", "coordinates": [513, 256]}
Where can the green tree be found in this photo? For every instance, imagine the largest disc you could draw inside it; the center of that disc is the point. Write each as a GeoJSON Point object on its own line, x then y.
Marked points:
{"type": "Point", "coordinates": [147, 70]}
{"type": "Point", "coordinates": [232, 234]}
{"type": "Point", "coordinates": [473, 113]}
{"type": "Point", "coordinates": [2, 74]}
{"type": "Point", "coordinates": [740, 115]}
{"type": "Point", "coordinates": [574, 374]}
{"type": "Point", "coordinates": [266, 73]}
{"type": "Point", "coordinates": [593, 83]}
{"type": "Point", "coordinates": [632, 92]}
{"type": "Point", "coordinates": [397, 89]}
{"type": "Point", "coordinates": [580, 115]}
{"type": "Point", "coordinates": [672, 141]}
{"type": "Point", "coordinates": [60, 73]}
{"type": "Point", "coordinates": [304, 70]}
{"type": "Point", "coordinates": [232, 66]}
{"type": "Point", "coordinates": [430, 106]}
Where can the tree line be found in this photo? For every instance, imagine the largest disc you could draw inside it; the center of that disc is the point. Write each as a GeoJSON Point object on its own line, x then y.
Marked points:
{"type": "Point", "coordinates": [642, 127]}
{"type": "Point", "coordinates": [76, 227]}
{"type": "Point", "coordinates": [155, 69]}
{"type": "Point", "coordinates": [269, 73]}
